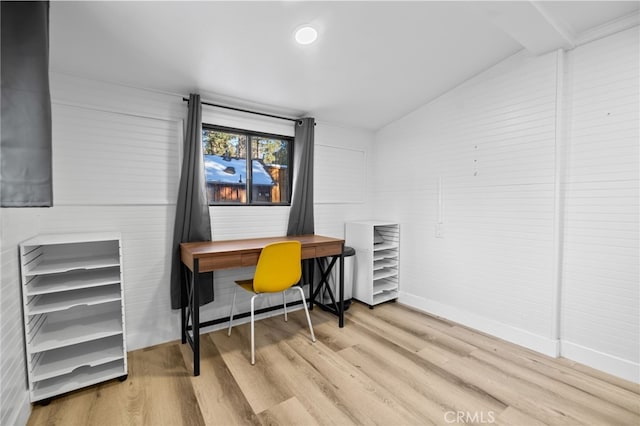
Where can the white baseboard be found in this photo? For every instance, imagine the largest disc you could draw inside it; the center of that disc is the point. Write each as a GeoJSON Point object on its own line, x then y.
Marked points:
{"type": "Point", "coordinates": [610, 364]}
{"type": "Point", "coordinates": [503, 331]}
{"type": "Point", "coordinates": [140, 340]}
{"type": "Point", "coordinates": [613, 365]}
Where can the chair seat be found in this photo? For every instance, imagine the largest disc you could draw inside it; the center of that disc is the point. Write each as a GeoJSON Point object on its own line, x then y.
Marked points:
{"type": "Point", "coordinates": [277, 271]}
{"type": "Point", "coordinates": [246, 284]}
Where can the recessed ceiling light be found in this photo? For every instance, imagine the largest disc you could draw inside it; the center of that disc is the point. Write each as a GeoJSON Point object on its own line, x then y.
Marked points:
{"type": "Point", "coordinates": [306, 35]}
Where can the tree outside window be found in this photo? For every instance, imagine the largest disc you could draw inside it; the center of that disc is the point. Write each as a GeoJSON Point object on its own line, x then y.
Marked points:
{"type": "Point", "coordinates": [234, 178]}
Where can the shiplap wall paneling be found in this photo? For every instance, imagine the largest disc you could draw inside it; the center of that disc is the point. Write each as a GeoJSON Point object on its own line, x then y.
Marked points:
{"type": "Point", "coordinates": [487, 149]}
{"type": "Point", "coordinates": [245, 121]}
{"type": "Point", "coordinates": [16, 226]}
{"type": "Point", "coordinates": [91, 94]}
{"type": "Point", "coordinates": [601, 274]}
{"type": "Point", "coordinates": [332, 216]}
{"type": "Point", "coordinates": [338, 175]}
{"type": "Point", "coordinates": [146, 242]}
{"type": "Point", "coordinates": [116, 156]}
{"type": "Point", "coordinates": [116, 162]}
{"type": "Point", "coordinates": [102, 157]}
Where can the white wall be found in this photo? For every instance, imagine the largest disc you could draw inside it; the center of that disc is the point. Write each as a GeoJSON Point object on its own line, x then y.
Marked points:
{"type": "Point", "coordinates": [492, 141]}
{"type": "Point", "coordinates": [116, 165]}
{"type": "Point", "coordinates": [101, 134]}
{"type": "Point", "coordinates": [601, 288]}
{"type": "Point", "coordinates": [16, 225]}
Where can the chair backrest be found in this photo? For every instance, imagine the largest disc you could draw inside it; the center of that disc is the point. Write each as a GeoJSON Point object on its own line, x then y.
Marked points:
{"type": "Point", "coordinates": [278, 267]}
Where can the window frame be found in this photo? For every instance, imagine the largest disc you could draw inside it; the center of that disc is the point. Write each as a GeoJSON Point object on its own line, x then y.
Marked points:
{"type": "Point", "coordinates": [249, 185]}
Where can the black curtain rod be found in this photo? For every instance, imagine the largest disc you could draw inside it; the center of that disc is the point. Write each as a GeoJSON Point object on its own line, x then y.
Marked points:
{"type": "Point", "coordinates": [247, 111]}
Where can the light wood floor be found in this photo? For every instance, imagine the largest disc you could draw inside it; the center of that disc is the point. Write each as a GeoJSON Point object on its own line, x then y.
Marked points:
{"type": "Point", "coordinates": [387, 366]}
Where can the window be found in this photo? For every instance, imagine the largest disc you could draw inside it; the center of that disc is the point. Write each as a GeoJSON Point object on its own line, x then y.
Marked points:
{"type": "Point", "coordinates": [244, 167]}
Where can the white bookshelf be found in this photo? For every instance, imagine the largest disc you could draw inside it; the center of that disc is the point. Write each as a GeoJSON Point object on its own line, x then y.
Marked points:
{"type": "Point", "coordinates": [79, 378]}
{"type": "Point", "coordinates": [377, 246]}
{"type": "Point", "coordinates": [58, 362]}
{"type": "Point", "coordinates": [73, 295]}
{"type": "Point", "coordinates": [74, 280]}
{"type": "Point", "coordinates": [64, 300]}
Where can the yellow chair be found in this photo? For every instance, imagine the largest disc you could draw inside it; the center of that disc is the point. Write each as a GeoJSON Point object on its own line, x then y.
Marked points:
{"type": "Point", "coordinates": [277, 271]}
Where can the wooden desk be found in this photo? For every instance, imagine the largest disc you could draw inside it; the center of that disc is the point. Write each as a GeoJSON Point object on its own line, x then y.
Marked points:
{"type": "Point", "coordinates": [207, 256]}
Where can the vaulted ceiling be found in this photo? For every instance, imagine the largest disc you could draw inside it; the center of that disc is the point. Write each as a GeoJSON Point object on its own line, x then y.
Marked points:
{"type": "Point", "coordinates": [373, 62]}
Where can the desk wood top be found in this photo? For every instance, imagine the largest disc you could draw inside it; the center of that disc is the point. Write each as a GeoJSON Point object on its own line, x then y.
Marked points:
{"type": "Point", "coordinates": [225, 254]}
{"type": "Point", "coordinates": [207, 248]}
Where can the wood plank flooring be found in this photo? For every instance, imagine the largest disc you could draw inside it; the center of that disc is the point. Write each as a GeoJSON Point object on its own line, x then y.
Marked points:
{"type": "Point", "coordinates": [387, 366]}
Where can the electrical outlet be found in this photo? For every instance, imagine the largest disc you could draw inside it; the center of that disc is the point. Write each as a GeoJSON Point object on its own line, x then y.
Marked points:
{"type": "Point", "coordinates": [439, 230]}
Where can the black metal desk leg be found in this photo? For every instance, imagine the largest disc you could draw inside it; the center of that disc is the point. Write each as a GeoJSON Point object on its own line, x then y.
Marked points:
{"type": "Point", "coordinates": [341, 313]}
{"type": "Point", "coordinates": [195, 315]}
{"type": "Point", "coordinates": [183, 308]}
{"type": "Point", "coordinates": [311, 269]}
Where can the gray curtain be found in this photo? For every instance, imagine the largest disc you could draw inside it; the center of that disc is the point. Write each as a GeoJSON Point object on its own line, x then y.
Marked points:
{"type": "Point", "coordinates": [192, 209]}
{"type": "Point", "coordinates": [301, 220]}
{"type": "Point", "coordinates": [25, 110]}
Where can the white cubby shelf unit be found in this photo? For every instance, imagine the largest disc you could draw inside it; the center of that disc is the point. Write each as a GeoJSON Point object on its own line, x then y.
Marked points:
{"type": "Point", "coordinates": [73, 305]}
{"type": "Point", "coordinates": [377, 246]}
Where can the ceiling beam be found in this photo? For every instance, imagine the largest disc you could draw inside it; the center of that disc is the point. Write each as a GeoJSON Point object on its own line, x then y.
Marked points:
{"type": "Point", "coordinates": [530, 24]}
